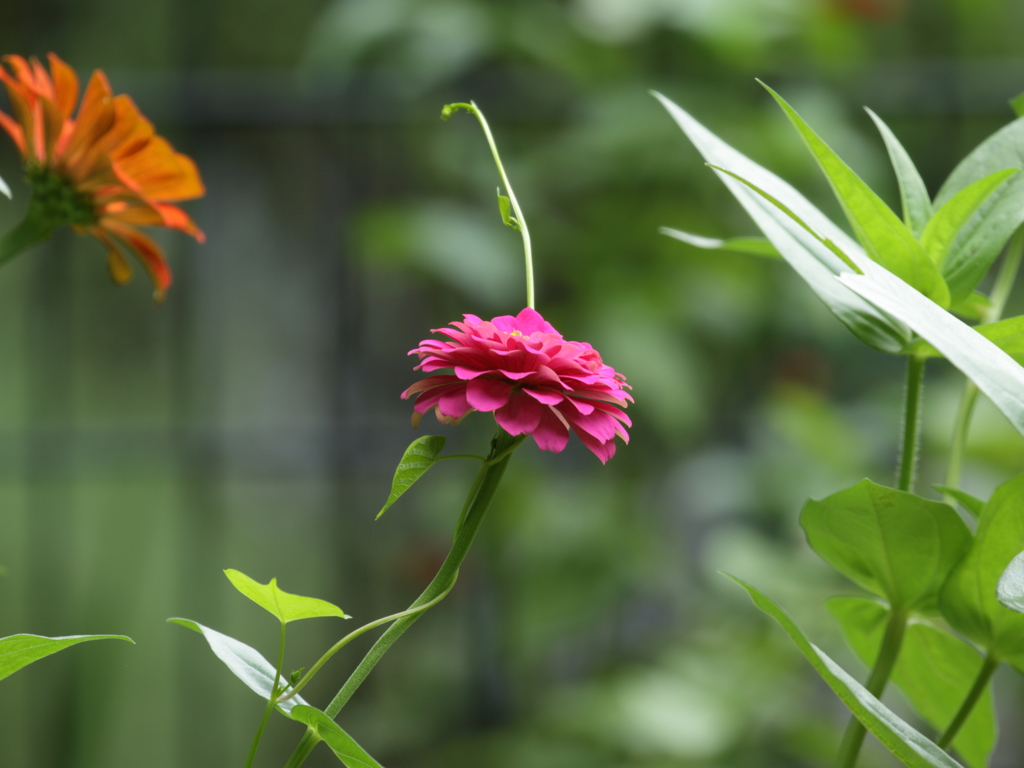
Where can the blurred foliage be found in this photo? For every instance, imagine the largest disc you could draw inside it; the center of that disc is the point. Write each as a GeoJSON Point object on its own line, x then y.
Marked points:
{"type": "Point", "coordinates": [254, 422]}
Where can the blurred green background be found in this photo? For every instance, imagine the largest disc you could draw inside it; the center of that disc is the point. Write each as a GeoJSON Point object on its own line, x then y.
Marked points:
{"type": "Point", "coordinates": [253, 420]}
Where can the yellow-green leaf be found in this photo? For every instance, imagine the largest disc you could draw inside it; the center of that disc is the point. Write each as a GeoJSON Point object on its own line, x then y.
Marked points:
{"type": "Point", "coordinates": [284, 605]}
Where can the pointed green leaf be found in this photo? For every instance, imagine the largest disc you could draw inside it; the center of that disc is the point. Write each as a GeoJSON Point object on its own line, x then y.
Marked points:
{"type": "Point", "coordinates": [917, 205]}
{"type": "Point", "coordinates": [757, 246]}
{"type": "Point", "coordinates": [417, 459]}
{"type": "Point", "coordinates": [1017, 105]}
{"type": "Point", "coordinates": [972, 504]}
{"type": "Point", "coordinates": [505, 207]}
{"type": "Point", "coordinates": [935, 671]}
{"type": "Point", "coordinates": [344, 746]}
{"type": "Point", "coordinates": [969, 600]}
{"type": "Point", "coordinates": [912, 748]}
{"type": "Point", "coordinates": [1010, 588]}
{"type": "Point", "coordinates": [815, 264]}
{"type": "Point", "coordinates": [886, 239]}
{"type": "Point", "coordinates": [1007, 334]}
{"type": "Point", "coordinates": [995, 372]}
{"type": "Point", "coordinates": [284, 605]}
{"type": "Point", "coordinates": [19, 651]}
{"type": "Point", "coordinates": [247, 664]}
{"type": "Point", "coordinates": [982, 238]}
{"type": "Point", "coordinates": [894, 544]}
{"type": "Point", "coordinates": [947, 222]}
{"type": "Point", "coordinates": [975, 306]}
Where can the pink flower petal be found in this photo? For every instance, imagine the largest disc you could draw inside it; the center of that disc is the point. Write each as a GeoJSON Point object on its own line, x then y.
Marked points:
{"type": "Point", "coordinates": [520, 416]}
{"type": "Point", "coordinates": [551, 433]}
{"type": "Point", "coordinates": [453, 403]}
{"type": "Point", "coordinates": [488, 394]}
{"type": "Point", "coordinates": [545, 396]}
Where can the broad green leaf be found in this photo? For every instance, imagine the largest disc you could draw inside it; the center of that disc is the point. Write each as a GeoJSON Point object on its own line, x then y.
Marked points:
{"type": "Point", "coordinates": [417, 459]}
{"type": "Point", "coordinates": [894, 544]}
{"type": "Point", "coordinates": [757, 246]}
{"type": "Point", "coordinates": [935, 671]}
{"type": "Point", "coordinates": [995, 372]}
{"type": "Point", "coordinates": [1010, 589]}
{"type": "Point", "coordinates": [982, 238]}
{"type": "Point", "coordinates": [815, 264]}
{"type": "Point", "coordinates": [247, 664]}
{"type": "Point", "coordinates": [284, 605]}
{"type": "Point", "coordinates": [19, 651]}
{"type": "Point", "coordinates": [886, 239]}
{"type": "Point", "coordinates": [1017, 105]}
{"type": "Point", "coordinates": [505, 207]}
{"type": "Point", "coordinates": [975, 306]}
{"type": "Point", "coordinates": [917, 205]}
{"type": "Point", "coordinates": [912, 748]}
{"type": "Point", "coordinates": [1007, 334]}
{"type": "Point", "coordinates": [343, 745]}
{"type": "Point", "coordinates": [972, 504]}
{"type": "Point", "coordinates": [969, 600]}
{"type": "Point", "coordinates": [947, 222]}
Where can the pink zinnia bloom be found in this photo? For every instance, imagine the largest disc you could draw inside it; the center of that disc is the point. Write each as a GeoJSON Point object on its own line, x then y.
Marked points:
{"type": "Point", "coordinates": [534, 381]}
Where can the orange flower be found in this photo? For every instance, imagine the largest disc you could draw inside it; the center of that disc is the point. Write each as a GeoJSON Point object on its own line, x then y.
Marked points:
{"type": "Point", "coordinates": [104, 171]}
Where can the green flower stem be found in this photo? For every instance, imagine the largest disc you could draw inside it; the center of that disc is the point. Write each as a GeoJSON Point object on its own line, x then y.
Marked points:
{"type": "Point", "coordinates": [911, 435]}
{"type": "Point", "coordinates": [447, 112]}
{"type": "Point", "coordinates": [480, 497]}
{"type": "Point", "coordinates": [849, 749]}
{"type": "Point", "coordinates": [271, 702]}
{"type": "Point", "coordinates": [973, 695]}
{"type": "Point", "coordinates": [33, 229]}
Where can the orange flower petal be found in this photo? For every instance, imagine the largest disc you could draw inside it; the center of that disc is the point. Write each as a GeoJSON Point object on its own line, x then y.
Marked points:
{"type": "Point", "coordinates": [43, 86]}
{"type": "Point", "coordinates": [149, 254]}
{"type": "Point", "coordinates": [14, 130]}
{"type": "Point", "coordinates": [95, 116]}
{"type": "Point", "coordinates": [120, 269]}
{"type": "Point", "coordinates": [65, 85]}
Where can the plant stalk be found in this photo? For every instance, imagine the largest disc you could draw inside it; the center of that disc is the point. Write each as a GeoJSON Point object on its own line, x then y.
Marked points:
{"type": "Point", "coordinates": [271, 702]}
{"type": "Point", "coordinates": [31, 230]}
{"type": "Point", "coordinates": [911, 435]}
{"type": "Point", "coordinates": [849, 749]}
{"type": "Point", "coordinates": [481, 495]}
{"type": "Point", "coordinates": [973, 696]}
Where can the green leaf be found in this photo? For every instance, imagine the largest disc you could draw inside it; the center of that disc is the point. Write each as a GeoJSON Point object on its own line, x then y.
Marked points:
{"type": "Point", "coordinates": [886, 239]}
{"type": "Point", "coordinates": [969, 600]}
{"type": "Point", "coordinates": [982, 238]}
{"type": "Point", "coordinates": [947, 222]}
{"type": "Point", "coordinates": [1010, 589]}
{"type": "Point", "coordinates": [995, 372]}
{"type": "Point", "coordinates": [917, 205]}
{"type": "Point", "coordinates": [417, 459]}
{"type": "Point", "coordinates": [244, 661]}
{"type": "Point", "coordinates": [19, 651]}
{"type": "Point", "coordinates": [1017, 105]}
{"type": "Point", "coordinates": [972, 504]}
{"type": "Point", "coordinates": [913, 749]}
{"type": "Point", "coordinates": [894, 544]}
{"type": "Point", "coordinates": [935, 671]}
{"type": "Point", "coordinates": [975, 306]}
{"type": "Point", "coordinates": [284, 605]}
{"type": "Point", "coordinates": [816, 265]}
{"type": "Point", "coordinates": [505, 207]}
{"type": "Point", "coordinates": [1007, 334]}
{"type": "Point", "coordinates": [757, 246]}
{"type": "Point", "coordinates": [343, 745]}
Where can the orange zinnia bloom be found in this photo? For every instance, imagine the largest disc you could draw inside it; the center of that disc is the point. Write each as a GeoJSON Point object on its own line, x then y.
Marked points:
{"type": "Point", "coordinates": [105, 171]}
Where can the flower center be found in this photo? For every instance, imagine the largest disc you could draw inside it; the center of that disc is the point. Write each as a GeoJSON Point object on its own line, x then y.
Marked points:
{"type": "Point", "coordinates": [56, 200]}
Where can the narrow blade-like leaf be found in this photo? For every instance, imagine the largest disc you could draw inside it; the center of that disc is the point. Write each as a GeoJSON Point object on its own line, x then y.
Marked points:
{"type": "Point", "coordinates": [247, 664]}
{"type": "Point", "coordinates": [917, 205]}
{"type": "Point", "coordinates": [971, 503]}
{"type": "Point", "coordinates": [1007, 334]}
{"type": "Point", "coordinates": [974, 306]}
{"type": "Point", "coordinates": [815, 264]}
{"type": "Point", "coordinates": [912, 748]}
{"type": "Point", "coordinates": [945, 225]}
{"type": "Point", "coordinates": [935, 671]}
{"type": "Point", "coordinates": [886, 239]}
{"type": "Point", "coordinates": [757, 246]}
{"type": "Point", "coordinates": [19, 651]}
{"type": "Point", "coordinates": [417, 459]}
{"type": "Point", "coordinates": [894, 544]}
{"type": "Point", "coordinates": [1010, 589]}
{"type": "Point", "coordinates": [344, 746]}
{"type": "Point", "coordinates": [284, 605]}
{"type": "Point", "coordinates": [505, 208]}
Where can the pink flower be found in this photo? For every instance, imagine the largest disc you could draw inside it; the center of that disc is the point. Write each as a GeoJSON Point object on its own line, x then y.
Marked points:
{"type": "Point", "coordinates": [534, 381]}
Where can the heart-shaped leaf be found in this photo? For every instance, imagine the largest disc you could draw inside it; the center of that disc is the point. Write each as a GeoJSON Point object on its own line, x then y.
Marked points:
{"type": "Point", "coordinates": [968, 600]}
{"type": "Point", "coordinates": [344, 746]}
{"type": "Point", "coordinates": [284, 605]}
{"type": "Point", "coordinates": [912, 748]}
{"type": "Point", "coordinates": [917, 205]}
{"type": "Point", "coordinates": [756, 246]}
{"type": "Point", "coordinates": [420, 456]}
{"type": "Point", "coordinates": [1010, 588]}
{"type": "Point", "coordinates": [19, 651]}
{"type": "Point", "coordinates": [894, 544]}
{"type": "Point", "coordinates": [244, 661]}
{"type": "Point", "coordinates": [935, 671]}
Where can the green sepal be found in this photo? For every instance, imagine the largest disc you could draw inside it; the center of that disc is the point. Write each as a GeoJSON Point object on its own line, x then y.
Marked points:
{"type": "Point", "coordinates": [917, 205]}
{"type": "Point", "coordinates": [420, 456]}
{"type": "Point", "coordinates": [344, 746]}
{"type": "Point", "coordinates": [284, 605]}
{"type": "Point", "coordinates": [755, 246]}
{"type": "Point", "coordinates": [935, 671]}
{"type": "Point", "coordinates": [19, 651]}
{"type": "Point", "coordinates": [972, 504]}
{"type": "Point", "coordinates": [907, 744]}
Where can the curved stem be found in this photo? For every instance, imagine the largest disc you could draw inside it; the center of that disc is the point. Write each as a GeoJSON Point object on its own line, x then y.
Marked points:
{"type": "Point", "coordinates": [887, 655]}
{"type": "Point", "coordinates": [33, 229]}
{"type": "Point", "coordinates": [973, 696]}
{"type": "Point", "coordinates": [911, 434]}
{"type": "Point", "coordinates": [449, 110]}
{"type": "Point", "coordinates": [271, 702]}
